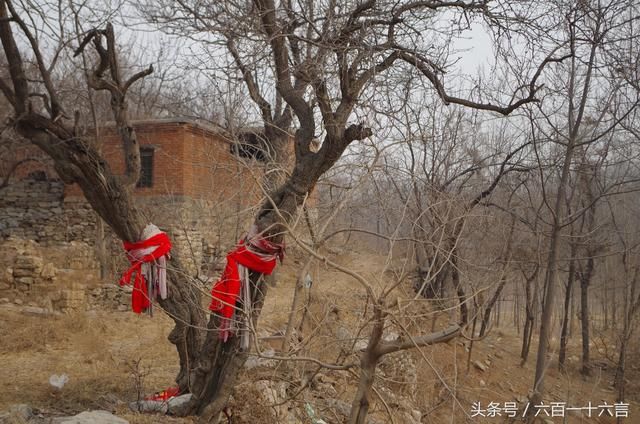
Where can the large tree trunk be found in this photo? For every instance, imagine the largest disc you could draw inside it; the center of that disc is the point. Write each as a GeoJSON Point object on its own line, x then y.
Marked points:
{"type": "Point", "coordinates": [184, 307]}
{"type": "Point", "coordinates": [77, 160]}
{"type": "Point", "coordinates": [585, 281]}
{"type": "Point", "coordinates": [531, 302]}
{"type": "Point", "coordinates": [619, 382]}
{"type": "Point", "coordinates": [564, 334]}
{"type": "Point", "coordinates": [219, 362]}
{"type": "Point", "coordinates": [115, 205]}
{"type": "Point", "coordinates": [457, 284]}
{"type": "Point", "coordinates": [489, 307]}
{"type": "Point", "coordinates": [368, 364]}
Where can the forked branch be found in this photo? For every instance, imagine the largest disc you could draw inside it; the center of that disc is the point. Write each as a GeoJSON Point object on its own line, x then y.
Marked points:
{"type": "Point", "coordinates": [427, 69]}
{"type": "Point", "coordinates": [98, 81]}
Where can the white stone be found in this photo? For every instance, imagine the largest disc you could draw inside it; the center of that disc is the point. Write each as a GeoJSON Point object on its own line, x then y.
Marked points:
{"type": "Point", "coordinates": [21, 412]}
{"type": "Point", "coordinates": [274, 393]}
{"type": "Point", "coordinates": [58, 381]}
{"type": "Point", "coordinates": [361, 345]}
{"type": "Point", "coordinates": [392, 336]}
{"type": "Point", "coordinates": [177, 403]}
{"type": "Point", "coordinates": [149, 406]}
{"type": "Point", "coordinates": [479, 365]}
{"type": "Point", "coordinates": [91, 417]}
{"type": "Point", "coordinates": [34, 310]}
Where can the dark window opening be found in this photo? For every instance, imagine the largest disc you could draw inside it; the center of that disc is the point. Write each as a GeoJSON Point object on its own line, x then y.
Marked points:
{"type": "Point", "coordinates": [37, 175]}
{"type": "Point", "coordinates": [250, 145]}
{"type": "Point", "coordinates": [146, 167]}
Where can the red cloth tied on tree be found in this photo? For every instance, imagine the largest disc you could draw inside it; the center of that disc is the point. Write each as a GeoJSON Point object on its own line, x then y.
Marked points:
{"type": "Point", "coordinates": [226, 290]}
{"type": "Point", "coordinates": [150, 250]}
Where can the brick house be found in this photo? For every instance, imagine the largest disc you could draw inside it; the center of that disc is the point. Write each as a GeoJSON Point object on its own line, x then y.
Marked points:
{"type": "Point", "coordinates": [198, 182]}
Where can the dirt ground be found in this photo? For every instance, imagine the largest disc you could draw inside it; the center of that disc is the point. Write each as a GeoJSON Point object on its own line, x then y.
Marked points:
{"type": "Point", "coordinates": [110, 357]}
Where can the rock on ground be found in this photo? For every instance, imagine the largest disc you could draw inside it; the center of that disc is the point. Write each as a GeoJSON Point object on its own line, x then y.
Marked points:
{"type": "Point", "coordinates": [178, 403]}
{"type": "Point", "coordinates": [16, 413]}
{"type": "Point", "coordinates": [91, 417]}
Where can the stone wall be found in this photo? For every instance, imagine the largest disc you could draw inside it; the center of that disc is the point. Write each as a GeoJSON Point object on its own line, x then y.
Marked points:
{"type": "Point", "coordinates": [35, 209]}
{"type": "Point", "coordinates": [78, 220]}
{"type": "Point", "coordinates": [63, 278]}
{"type": "Point", "coordinates": [31, 209]}
{"type": "Point", "coordinates": [201, 231]}
{"type": "Point", "coordinates": [191, 161]}
{"type": "Point", "coordinates": [51, 277]}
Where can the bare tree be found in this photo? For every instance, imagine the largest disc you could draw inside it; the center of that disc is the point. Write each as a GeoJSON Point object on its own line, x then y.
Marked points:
{"type": "Point", "coordinates": [76, 160]}
{"type": "Point", "coordinates": [322, 62]}
{"type": "Point", "coordinates": [589, 29]}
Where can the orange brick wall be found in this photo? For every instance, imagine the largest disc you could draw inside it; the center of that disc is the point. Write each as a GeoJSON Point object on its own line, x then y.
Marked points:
{"type": "Point", "coordinates": [213, 173]}
{"type": "Point", "coordinates": [168, 158]}
{"type": "Point", "coordinates": [189, 160]}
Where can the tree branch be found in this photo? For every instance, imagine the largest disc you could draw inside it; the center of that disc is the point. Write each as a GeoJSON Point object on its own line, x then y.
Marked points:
{"type": "Point", "coordinates": [356, 132]}
{"type": "Point", "coordinates": [136, 77]}
{"type": "Point", "coordinates": [98, 81]}
{"type": "Point", "coordinates": [293, 97]}
{"type": "Point", "coordinates": [254, 91]}
{"type": "Point", "coordinates": [55, 106]}
{"type": "Point", "coordinates": [427, 70]}
{"type": "Point", "coordinates": [498, 177]}
{"type": "Point", "coordinates": [8, 93]}
{"type": "Point", "coordinates": [16, 69]}
{"type": "Point", "coordinates": [434, 5]}
{"type": "Point", "coordinates": [442, 336]}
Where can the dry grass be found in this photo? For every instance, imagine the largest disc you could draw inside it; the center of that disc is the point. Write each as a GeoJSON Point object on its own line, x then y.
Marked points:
{"type": "Point", "coordinates": [96, 351]}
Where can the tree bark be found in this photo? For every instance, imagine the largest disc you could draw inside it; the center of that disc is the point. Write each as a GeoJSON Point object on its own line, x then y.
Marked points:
{"type": "Point", "coordinates": [489, 307]}
{"type": "Point", "coordinates": [585, 281]}
{"type": "Point", "coordinates": [77, 160]}
{"type": "Point", "coordinates": [619, 382]}
{"type": "Point", "coordinates": [219, 362]}
{"type": "Point", "coordinates": [564, 334]}
{"type": "Point", "coordinates": [457, 284]}
{"type": "Point", "coordinates": [368, 364]}
{"type": "Point", "coordinates": [531, 302]}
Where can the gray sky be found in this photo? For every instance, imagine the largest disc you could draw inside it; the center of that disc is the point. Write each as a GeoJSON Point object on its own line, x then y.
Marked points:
{"type": "Point", "coordinates": [479, 50]}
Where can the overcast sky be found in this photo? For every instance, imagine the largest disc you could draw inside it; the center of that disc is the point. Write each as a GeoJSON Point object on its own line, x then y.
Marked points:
{"type": "Point", "coordinates": [479, 50]}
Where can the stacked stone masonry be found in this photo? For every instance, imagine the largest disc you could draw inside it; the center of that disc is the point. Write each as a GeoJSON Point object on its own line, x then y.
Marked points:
{"type": "Point", "coordinates": [202, 194]}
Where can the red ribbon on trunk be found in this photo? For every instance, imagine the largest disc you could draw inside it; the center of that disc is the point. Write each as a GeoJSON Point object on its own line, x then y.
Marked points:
{"type": "Point", "coordinates": [140, 297]}
{"type": "Point", "coordinates": [226, 290]}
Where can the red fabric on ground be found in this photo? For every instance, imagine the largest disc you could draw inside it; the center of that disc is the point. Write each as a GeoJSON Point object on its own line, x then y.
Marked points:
{"type": "Point", "coordinates": [140, 297]}
{"type": "Point", "coordinates": [164, 395]}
